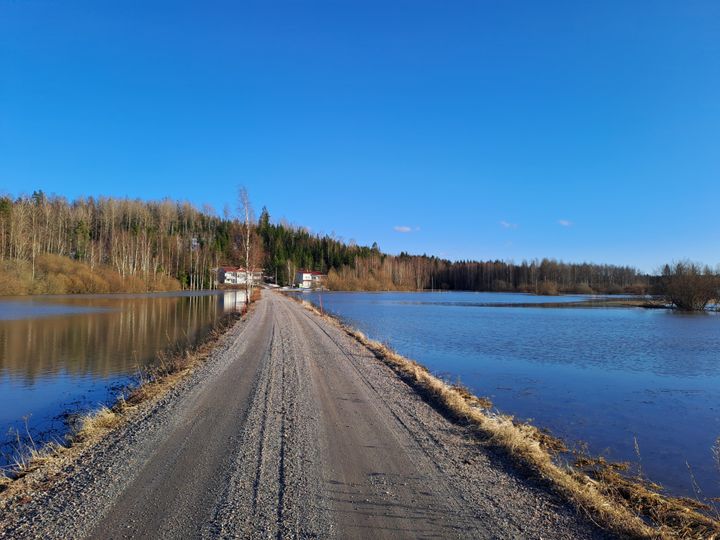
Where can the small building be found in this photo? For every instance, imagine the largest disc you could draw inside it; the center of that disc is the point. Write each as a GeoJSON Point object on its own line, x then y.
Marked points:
{"type": "Point", "coordinates": [230, 275]}
{"type": "Point", "coordinates": [308, 279]}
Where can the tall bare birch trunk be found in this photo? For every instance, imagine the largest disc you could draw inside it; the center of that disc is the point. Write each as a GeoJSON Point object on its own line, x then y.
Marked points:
{"type": "Point", "coordinates": [245, 211]}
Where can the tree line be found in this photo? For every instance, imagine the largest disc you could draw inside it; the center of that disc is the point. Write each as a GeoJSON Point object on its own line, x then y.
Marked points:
{"type": "Point", "coordinates": [51, 244]}
{"type": "Point", "coordinates": [546, 276]}
{"type": "Point", "coordinates": [352, 267]}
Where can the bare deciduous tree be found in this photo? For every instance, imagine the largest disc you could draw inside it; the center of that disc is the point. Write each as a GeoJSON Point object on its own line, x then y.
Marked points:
{"type": "Point", "coordinates": [245, 212]}
{"type": "Point", "coordinates": [688, 286]}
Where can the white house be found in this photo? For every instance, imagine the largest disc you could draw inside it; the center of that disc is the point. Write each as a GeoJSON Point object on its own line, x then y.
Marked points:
{"type": "Point", "coordinates": [308, 279]}
{"type": "Point", "coordinates": [229, 275]}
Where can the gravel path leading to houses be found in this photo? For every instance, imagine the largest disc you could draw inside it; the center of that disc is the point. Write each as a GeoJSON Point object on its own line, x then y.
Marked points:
{"type": "Point", "coordinates": [291, 429]}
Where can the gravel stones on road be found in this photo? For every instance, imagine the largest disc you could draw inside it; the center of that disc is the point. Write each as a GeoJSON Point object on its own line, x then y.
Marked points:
{"type": "Point", "coordinates": [291, 429]}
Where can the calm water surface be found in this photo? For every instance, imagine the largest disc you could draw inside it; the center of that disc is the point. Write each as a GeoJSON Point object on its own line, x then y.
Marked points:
{"type": "Point", "coordinates": [61, 354]}
{"type": "Point", "coordinates": [604, 376]}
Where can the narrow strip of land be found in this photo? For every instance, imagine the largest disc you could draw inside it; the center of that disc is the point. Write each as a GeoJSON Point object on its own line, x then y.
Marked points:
{"type": "Point", "coordinates": [292, 429]}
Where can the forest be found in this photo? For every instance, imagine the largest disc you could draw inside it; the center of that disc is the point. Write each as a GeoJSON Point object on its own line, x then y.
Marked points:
{"type": "Point", "coordinates": [49, 244]}
{"type": "Point", "coordinates": [352, 267]}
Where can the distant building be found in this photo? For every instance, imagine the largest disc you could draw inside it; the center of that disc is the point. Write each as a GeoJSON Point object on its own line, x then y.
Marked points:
{"type": "Point", "coordinates": [307, 279]}
{"type": "Point", "coordinates": [230, 275]}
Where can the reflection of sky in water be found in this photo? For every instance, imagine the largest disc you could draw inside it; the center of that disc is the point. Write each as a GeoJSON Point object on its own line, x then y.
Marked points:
{"type": "Point", "coordinates": [70, 353]}
{"type": "Point", "coordinates": [603, 376]}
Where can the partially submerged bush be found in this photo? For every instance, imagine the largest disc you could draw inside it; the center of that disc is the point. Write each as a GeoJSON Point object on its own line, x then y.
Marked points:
{"type": "Point", "coordinates": [584, 288]}
{"type": "Point", "coordinates": [688, 286]}
{"type": "Point", "coordinates": [547, 288]}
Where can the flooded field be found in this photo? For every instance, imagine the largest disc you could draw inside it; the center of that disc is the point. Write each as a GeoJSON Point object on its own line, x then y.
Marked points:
{"type": "Point", "coordinates": [62, 354]}
{"type": "Point", "coordinates": [610, 377]}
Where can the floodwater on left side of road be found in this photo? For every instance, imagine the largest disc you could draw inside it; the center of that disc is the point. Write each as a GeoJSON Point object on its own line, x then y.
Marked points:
{"type": "Point", "coordinates": [72, 353]}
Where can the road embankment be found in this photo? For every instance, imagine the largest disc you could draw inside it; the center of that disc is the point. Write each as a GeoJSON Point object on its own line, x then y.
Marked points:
{"type": "Point", "coordinates": [292, 428]}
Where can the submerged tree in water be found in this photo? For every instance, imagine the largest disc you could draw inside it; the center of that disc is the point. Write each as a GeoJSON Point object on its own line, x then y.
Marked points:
{"type": "Point", "coordinates": [690, 287]}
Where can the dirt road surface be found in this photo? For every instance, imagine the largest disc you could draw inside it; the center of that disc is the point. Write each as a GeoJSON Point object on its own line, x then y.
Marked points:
{"type": "Point", "coordinates": [292, 429]}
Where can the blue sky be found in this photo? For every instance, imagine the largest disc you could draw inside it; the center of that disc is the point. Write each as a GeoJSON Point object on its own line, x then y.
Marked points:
{"type": "Point", "coordinates": [575, 130]}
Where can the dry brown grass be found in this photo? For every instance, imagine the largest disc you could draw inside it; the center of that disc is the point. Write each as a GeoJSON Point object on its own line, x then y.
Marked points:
{"type": "Point", "coordinates": [472, 399]}
{"type": "Point", "coordinates": [38, 468]}
{"type": "Point", "coordinates": [628, 507]}
{"type": "Point", "coordinates": [55, 274]}
{"type": "Point", "coordinates": [98, 423]}
{"type": "Point", "coordinates": [28, 458]}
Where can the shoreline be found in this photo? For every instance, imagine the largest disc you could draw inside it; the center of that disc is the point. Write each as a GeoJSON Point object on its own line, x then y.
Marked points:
{"type": "Point", "coordinates": [626, 506]}
{"type": "Point", "coordinates": [87, 429]}
{"type": "Point", "coordinates": [291, 429]}
{"type": "Point", "coordinates": [528, 449]}
{"type": "Point", "coordinates": [605, 301]}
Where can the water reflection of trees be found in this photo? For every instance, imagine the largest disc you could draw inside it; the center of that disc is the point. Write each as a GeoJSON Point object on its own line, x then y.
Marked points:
{"type": "Point", "coordinates": [104, 344]}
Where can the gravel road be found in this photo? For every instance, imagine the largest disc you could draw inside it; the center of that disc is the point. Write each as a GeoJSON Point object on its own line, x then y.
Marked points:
{"type": "Point", "coordinates": [291, 429]}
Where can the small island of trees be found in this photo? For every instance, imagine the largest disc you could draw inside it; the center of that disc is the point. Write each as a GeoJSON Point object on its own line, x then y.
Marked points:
{"type": "Point", "coordinates": [689, 286]}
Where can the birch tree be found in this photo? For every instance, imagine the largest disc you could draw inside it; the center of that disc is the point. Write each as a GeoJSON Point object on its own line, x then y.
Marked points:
{"type": "Point", "coordinates": [245, 213]}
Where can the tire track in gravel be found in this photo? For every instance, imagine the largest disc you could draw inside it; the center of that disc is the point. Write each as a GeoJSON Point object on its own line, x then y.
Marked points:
{"type": "Point", "coordinates": [292, 430]}
{"type": "Point", "coordinates": [177, 489]}
{"type": "Point", "coordinates": [160, 474]}
{"type": "Point", "coordinates": [398, 468]}
{"type": "Point", "coordinates": [274, 490]}
{"type": "Point", "coordinates": [389, 493]}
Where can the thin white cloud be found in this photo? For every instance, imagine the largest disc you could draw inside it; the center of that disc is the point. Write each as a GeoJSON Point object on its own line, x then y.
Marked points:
{"type": "Point", "coordinates": [508, 225]}
{"type": "Point", "coordinates": [565, 222]}
{"type": "Point", "coordinates": [402, 228]}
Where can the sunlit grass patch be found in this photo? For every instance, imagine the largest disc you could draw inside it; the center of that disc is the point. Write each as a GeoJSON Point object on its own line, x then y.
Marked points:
{"type": "Point", "coordinates": [97, 423]}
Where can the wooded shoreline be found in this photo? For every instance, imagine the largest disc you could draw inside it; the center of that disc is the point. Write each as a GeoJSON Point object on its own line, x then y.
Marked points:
{"type": "Point", "coordinates": [49, 245]}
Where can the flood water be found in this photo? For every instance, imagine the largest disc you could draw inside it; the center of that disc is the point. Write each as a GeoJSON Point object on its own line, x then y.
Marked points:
{"type": "Point", "coordinates": [65, 354]}
{"type": "Point", "coordinates": [606, 376]}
